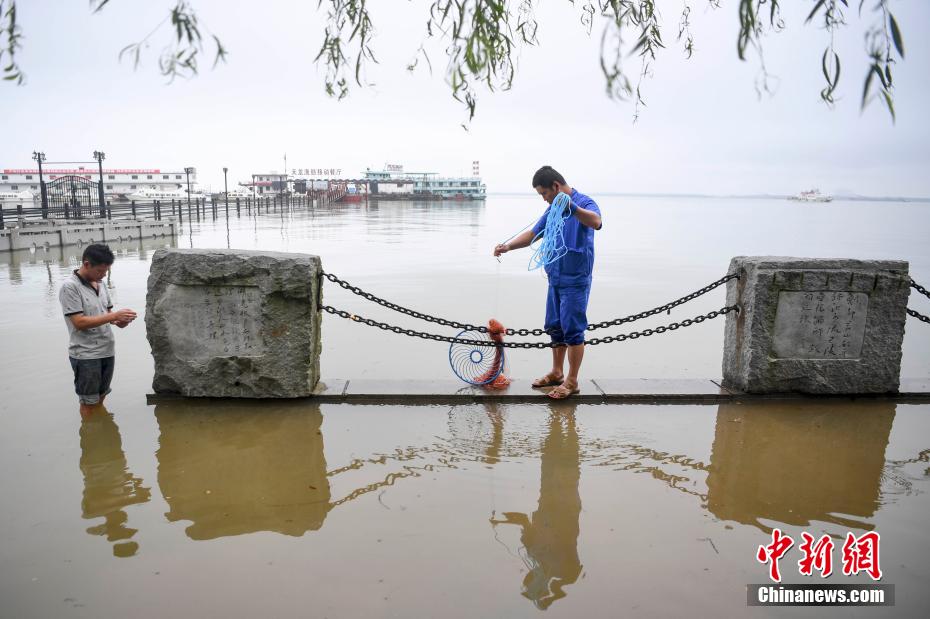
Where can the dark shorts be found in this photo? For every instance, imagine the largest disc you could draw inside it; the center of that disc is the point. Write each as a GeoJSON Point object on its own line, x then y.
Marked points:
{"type": "Point", "coordinates": [566, 314]}
{"type": "Point", "coordinates": [92, 378]}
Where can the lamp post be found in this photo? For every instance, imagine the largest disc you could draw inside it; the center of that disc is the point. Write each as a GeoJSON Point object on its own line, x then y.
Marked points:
{"type": "Point", "coordinates": [187, 172]}
{"type": "Point", "coordinates": [226, 191]}
{"type": "Point", "coordinates": [39, 157]}
{"type": "Point", "coordinates": [99, 156]}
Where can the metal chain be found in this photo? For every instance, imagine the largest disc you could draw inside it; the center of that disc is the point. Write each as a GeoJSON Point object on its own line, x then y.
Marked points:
{"type": "Point", "coordinates": [593, 342]}
{"type": "Point", "coordinates": [667, 307]}
{"type": "Point", "coordinates": [524, 332]}
{"type": "Point", "coordinates": [918, 316]}
{"type": "Point", "coordinates": [920, 288]}
{"type": "Point", "coordinates": [924, 292]}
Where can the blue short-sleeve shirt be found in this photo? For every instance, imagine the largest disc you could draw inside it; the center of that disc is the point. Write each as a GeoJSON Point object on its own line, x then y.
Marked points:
{"type": "Point", "coordinates": [575, 267]}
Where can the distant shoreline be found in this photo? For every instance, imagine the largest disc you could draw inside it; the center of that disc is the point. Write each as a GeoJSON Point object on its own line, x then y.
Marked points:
{"type": "Point", "coordinates": [846, 198]}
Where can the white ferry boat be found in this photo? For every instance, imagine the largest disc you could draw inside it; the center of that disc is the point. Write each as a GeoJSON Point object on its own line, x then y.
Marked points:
{"type": "Point", "coordinates": [240, 192]}
{"type": "Point", "coordinates": [394, 183]}
{"type": "Point", "coordinates": [150, 194]}
{"type": "Point", "coordinates": [813, 195]}
{"type": "Point", "coordinates": [19, 197]}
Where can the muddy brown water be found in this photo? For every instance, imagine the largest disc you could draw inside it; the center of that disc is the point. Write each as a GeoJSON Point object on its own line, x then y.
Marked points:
{"type": "Point", "coordinates": [241, 509]}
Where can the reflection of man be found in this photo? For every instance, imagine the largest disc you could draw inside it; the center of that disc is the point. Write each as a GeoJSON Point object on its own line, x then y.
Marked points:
{"type": "Point", "coordinates": [87, 307]}
{"type": "Point", "coordinates": [109, 487]}
{"type": "Point", "coordinates": [550, 537]}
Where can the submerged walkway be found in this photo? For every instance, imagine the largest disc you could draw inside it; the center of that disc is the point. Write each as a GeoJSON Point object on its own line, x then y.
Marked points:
{"type": "Point", "coordinates": [593, 391]}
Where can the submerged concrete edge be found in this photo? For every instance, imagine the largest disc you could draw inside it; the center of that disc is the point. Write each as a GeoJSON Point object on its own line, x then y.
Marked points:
{"type": "Point", "coordinates": [414, 400]}
{"type": "Point", "coordinates": [644, 391]}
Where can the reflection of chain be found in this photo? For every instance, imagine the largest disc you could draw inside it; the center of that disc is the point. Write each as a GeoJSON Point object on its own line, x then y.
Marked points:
{"type": "Point", "coordinates": [687, 322]}
{"type": "Point", "coordinates": [524, 332]}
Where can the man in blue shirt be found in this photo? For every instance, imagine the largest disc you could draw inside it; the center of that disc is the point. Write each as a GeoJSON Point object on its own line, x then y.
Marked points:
{"type": "Point", "coordinates": [569, 279]}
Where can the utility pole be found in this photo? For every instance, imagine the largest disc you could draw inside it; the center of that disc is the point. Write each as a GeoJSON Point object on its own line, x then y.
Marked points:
{"type": "Point", "coordinates": [39, 157]}
{"type": "Point", "coordinates": [99, 155]}
{"type": "Point", "coordinates": [188, 171]}
{"type": "Point", "coordinates": [226, 191]}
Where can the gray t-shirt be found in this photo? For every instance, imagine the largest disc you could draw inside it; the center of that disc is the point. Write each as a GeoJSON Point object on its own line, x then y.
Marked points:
{"type": "Point", "coordinates": [78, 296]}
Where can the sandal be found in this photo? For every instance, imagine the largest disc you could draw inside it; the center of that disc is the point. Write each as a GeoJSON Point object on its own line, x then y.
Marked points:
{"type": "Point", "coordinates": [562, 392]}
{"type": "Point", "coordinates": [547, 381]}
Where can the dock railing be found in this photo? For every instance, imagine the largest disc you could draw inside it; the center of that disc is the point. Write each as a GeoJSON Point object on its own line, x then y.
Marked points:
{"type": "Point", "coordinates": [196, 209]}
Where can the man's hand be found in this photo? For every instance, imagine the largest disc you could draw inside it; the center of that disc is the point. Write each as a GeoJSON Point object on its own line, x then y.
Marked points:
{"type": "Point", "coordinates": [518, 242]}
{"type": "Point", "coordinates": [121, 318]}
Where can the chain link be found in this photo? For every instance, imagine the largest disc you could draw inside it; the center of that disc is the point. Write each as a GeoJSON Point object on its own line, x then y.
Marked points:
{"type": "Point", "coordinates": [664, 308]}
{"type": "Point", "coordinates": [918, 316]}
{"type": "Point", "coordinates": [924, 292]}
{"type": "Point", "coordinates": [524, 332]}
{"type": "Point", "coordinates": [593, 342]}
{"type": "Point", "coordinates": [920, 288]}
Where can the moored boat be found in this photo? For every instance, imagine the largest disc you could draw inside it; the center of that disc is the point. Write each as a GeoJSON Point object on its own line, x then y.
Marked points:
{"type": "Point", "coordinates": [812, 195]}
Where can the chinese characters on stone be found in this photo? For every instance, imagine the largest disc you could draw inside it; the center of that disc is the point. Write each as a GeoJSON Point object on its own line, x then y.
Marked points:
{"type": "Point", "coordinates": [827, 322]}
{"type": "Point", "coordinates": [226, 315]}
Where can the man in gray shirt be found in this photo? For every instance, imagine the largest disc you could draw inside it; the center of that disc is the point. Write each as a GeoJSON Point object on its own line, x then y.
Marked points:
{"type": "Point", "coordinates": [87, 307]}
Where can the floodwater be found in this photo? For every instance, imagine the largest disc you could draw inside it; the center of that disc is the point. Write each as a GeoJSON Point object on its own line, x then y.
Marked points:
{"type": "Point", "coordinates": [242, 509]}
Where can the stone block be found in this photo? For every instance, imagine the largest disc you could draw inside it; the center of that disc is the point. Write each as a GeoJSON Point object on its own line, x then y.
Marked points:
{"type": "Point", "coordinates": [837, 329]}
{"type": "Point", "coordinates": [231, 323]}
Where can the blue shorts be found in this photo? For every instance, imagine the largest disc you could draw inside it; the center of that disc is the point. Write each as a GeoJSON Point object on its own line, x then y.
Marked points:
{"type": "Point", "coordinates": [566, 313]}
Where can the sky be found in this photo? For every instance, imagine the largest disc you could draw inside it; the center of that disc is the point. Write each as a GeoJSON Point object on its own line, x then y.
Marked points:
{"type": "Point", "coordinates": [704, 128]}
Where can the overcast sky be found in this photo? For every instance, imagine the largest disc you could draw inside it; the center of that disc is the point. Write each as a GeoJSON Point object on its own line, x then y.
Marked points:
{"type": "Point", "coordinates": [704, 130]}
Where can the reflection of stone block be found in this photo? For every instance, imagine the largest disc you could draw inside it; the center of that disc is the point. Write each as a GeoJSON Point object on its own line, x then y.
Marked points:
{"type": "Point", "coordinates": [228, 470]}
{"type": "Point", "coordinates": [815, 325]}
{"type": "Point", "coordinates": [230, 323]}
{"type": "Point", "coordinates": [775, 463]}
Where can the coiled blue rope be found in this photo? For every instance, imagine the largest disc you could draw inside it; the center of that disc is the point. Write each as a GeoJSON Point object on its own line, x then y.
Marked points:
{"type": "Point", "coordinates": [553, 244]}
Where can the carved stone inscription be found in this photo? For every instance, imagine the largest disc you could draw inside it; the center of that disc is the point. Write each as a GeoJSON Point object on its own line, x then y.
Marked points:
{"type": "Point", "coordinates": [214, 321]}
{"type": "Point", "coordinates": [819, 324]}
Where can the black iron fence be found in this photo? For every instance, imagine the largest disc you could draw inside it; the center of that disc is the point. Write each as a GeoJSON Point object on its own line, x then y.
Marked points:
{"type": "Point", "coordinates": [196, 209]}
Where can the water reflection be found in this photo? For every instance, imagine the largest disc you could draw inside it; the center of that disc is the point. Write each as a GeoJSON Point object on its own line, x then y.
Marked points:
{"type": "Point", "coordinates": [780, 463]}
{"type": "Point", "coordinates": [70, 255]}
{"type": "Point", "coordinates": [793, 463]}
{"type": "Point", "coordinates": [550, 535]}
{"type": "Point", "coordinates": [237, 468]}
{"type": "Point", "coordinates": [109, 486]}
{"type": "Point", "coordinates": [233, 468]}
